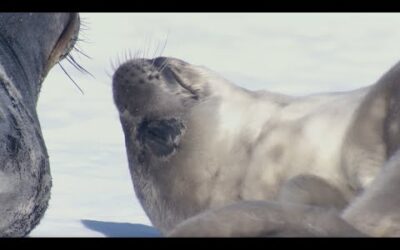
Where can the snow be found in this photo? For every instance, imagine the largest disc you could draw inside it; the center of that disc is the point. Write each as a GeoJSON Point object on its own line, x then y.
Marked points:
{"type": "Point", "coordinates": [292, 53]}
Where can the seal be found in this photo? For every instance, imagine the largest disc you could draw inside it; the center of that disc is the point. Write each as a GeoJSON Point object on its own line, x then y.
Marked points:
{"type": "Point", "coordinates": [197, 142]}
{"type": "Point", "coordinates": [30, 44]}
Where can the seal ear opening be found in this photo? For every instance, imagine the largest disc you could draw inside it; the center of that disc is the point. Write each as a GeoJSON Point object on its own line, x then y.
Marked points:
{"type": "Point", "coordinates": [162, 137]}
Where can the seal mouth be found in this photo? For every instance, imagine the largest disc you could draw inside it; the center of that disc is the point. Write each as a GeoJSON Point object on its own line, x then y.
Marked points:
{"type": "Point", "coordinates": [65, 42]}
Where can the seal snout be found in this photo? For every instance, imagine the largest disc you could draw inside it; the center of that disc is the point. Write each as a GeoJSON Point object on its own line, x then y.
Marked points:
{"type": "Point", "coordinates": [160, 85]}
{"type": "Point", "coordinates": [139, 71]}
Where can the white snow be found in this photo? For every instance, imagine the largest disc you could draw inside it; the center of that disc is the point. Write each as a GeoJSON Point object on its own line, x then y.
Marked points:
{"type": "Point", "coordinates": [294, 53]}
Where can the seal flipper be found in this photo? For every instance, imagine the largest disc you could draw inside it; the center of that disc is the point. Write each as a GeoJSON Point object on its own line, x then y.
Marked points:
{"type": "Point", "coordinates": [312, 190]}
{"type": "Point", "coordinates": [265, 219]}
{"type": "Point", "coordinates": [376, 210]}
{"type": "Point", "coordinates": [162, 137]}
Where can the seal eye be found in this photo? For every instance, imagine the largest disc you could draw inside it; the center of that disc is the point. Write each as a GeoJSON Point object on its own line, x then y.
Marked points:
{"type": "Point", "coordinates": [160, 136]}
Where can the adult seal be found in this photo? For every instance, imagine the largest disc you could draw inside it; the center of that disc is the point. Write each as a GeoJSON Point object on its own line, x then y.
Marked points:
{"type": "Point", "coordinates": [201, 150]}
{"type": "Point", "coordinates": [30, 44]}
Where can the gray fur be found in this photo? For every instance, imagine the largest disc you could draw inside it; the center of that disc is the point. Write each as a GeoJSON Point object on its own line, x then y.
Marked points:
{"type": "Point", "coordinates": [30, 44]}
{"type": "Point", "coordinates": [319, 151]}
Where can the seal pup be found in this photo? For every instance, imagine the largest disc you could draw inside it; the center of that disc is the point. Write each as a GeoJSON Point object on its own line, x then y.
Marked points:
{"type": "Point", "coordinates": [196, 141]}
{"type": "Point", "coordinates": [30, 44]}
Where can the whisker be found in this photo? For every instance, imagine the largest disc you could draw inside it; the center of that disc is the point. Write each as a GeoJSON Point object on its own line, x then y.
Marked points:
{"type": "Point", "coordinates": [83, 28]}
{"type": "Point", "coordinates": [163, 66]}
{"type": "Point", "coordinates": [154, 56]}
{"type": "Point", "coordinates": [110, 75]}
{"type": "Point", "coordinates": [136, 56]}
{"type": "Point", "coordinates": [85, 20]}
{"type": "Point", "coordinates": [141, 57]}
{"type": "Point", "coordinates": [126, 55]}
{"type": "Point", "coordinates": [72, 60]}
{"type": "Point", "coordinates": [84, 37]}
{"type": "Point", "coordinates": [147, 48]}
{"type": "Point", "coordinates": [130, 54]}
{"type": "Point", "coordinates": [82, 53]}
{"type": "Point", "coordinates": [112, 65]}
{"type": "Point", "coordinates": [117, 61]}
{"type": "Point", "coordinates": [84, 41]}
{"type": "Point", "coordinates": [71, 78]}
{"type": "Point", "coordinates": [165, 44]}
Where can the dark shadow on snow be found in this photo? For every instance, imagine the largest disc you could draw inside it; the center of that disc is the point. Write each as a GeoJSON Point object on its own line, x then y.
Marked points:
{"type": "Point", "coordinates": [116, 229]}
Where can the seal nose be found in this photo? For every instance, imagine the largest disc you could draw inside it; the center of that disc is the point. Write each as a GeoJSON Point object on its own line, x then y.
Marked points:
{"type": "Point", "coordinates": [134, 84]}
{"type": "Point", "coordinates": [136, 72]}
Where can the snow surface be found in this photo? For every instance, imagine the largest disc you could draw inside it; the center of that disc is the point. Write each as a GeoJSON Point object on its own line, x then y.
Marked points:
{"type": "Point", "coordinates": [292, 53]}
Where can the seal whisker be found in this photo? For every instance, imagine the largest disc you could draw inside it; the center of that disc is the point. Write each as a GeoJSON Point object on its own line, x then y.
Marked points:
{"type": "Point", "coordinates": [154, 56]}
{"type": "Point", "coordinates": [82, 53]}
{"type": "Point", "coordinates": [142, 58]}
{"type": "Point", "coordinates": [165, 44]}
{"type": "Point", "coordinates": [130, 54]}
{"type": "Point", "coordinates": [163, 66]}
{"type": "Point", "coordinates": [126, 55]}
{"type": "Point", "coordinates": [113, 68]}
{"type": "Point", "coordinates": [110, 75]}
{"type": "Point", "coordinates": [118, 60]}
{"type": "Point", "coordinates": [165, 63]}
{"type": "Point", "coordinates": [71, 59]}
{"type": "Point", "coordinates": [71, 78]}
{"type": "Point", "coordinates": [156, 50]}
{"type": "Point", "coordinates": [137, 54]}
{"type": "Point", "coordinates": [123, 55]}
{"type": "Point", "coordinates": [147, 45]}
{"type": "Point", "coordinates": [84, 21]}
{"type": "Point", "coordinates": [84, 41]}
{"type": "Point", "coordinates": [113, 64]}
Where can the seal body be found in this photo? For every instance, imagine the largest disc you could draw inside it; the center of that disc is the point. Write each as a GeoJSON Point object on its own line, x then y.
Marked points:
{"type": "Point", "coordinates": [196, 141]}
{"type": "Point", "coordinates": [30, 44]}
